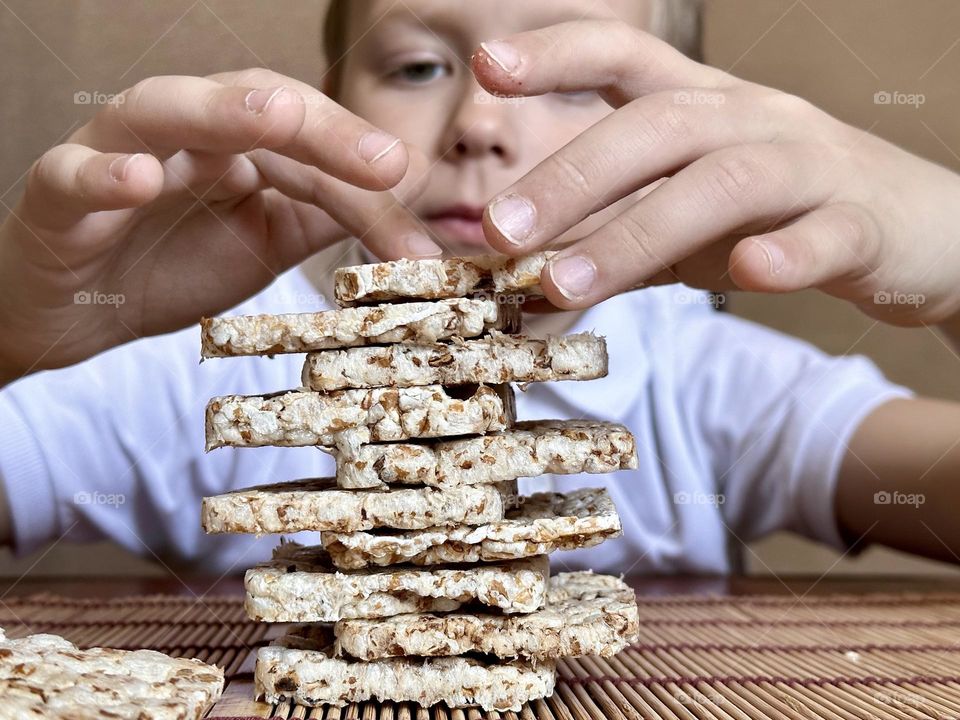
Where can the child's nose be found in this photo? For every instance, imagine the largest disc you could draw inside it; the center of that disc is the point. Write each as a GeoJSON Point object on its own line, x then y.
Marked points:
{"type": "Point", "coordinates": [481, 126]}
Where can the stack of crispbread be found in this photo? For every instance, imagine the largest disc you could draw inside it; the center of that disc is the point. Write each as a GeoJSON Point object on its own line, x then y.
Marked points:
{"type": "Point", "coordinates": [431, 581]}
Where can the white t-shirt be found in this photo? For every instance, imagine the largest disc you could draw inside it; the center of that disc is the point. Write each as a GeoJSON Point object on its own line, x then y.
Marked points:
{"type": "Point", "coordinates": [740, 431]}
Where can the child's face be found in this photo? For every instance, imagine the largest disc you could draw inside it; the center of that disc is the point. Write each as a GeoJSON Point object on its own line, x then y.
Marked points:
{"type": "Point", "coordinates": [407, 71]}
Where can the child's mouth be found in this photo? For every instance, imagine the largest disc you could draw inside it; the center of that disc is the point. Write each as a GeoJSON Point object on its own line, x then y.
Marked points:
{"type": "Point", "coordinates": [459, 224]}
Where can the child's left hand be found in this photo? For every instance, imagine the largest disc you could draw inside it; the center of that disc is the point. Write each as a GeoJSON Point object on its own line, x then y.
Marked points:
{"type": "Point", "coordinates": [765, 191]}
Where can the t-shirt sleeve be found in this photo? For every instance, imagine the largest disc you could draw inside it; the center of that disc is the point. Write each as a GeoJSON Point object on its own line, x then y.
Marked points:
{"type": "Point", "coordinates": [776, 415]}
{"type": "Point", "coordinates": [113, 448]}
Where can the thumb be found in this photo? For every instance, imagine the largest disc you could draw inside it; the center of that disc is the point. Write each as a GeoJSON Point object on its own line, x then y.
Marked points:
{"type": "Point", "coordinates": [820, 247]}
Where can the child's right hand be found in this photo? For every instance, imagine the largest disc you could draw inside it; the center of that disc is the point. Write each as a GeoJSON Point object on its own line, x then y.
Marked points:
{"type": "Point", "coordinates": [181, 199]}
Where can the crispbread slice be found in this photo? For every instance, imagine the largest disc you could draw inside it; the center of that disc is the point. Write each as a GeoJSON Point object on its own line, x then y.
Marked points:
{"type": "Point", "coordinates": [434, 279]}
{"type": "Point", "coordinates": [541, 523]}
{"type": "Point", "coordinates": [302, 667]}
{"type": "Point", "coordinates": [495, 359]}
{"type": "Point", "coordinates": [48, 676]}
{"type": "Point", "coordinates": [585, 614]}
{"type": "Point", "coordinates": [318, 505]}
{"type": "Point", "coordinates": [301, 585]}
{"type": "Point", "coordinates": [529, 449]}
{"type": "Point", "coordinates": [424, 322]}
{"type": "Point", "coordinates": [303, 417]}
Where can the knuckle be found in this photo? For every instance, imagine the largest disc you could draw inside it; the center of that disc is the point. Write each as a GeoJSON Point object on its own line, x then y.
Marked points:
{"type": "Point", "coordinates": [856, 228]}
{"type": "Point", "coordinates": [790, 105]}
{"type": "Point", "coordinates": [574, 174]}
{"type": "Point", "coordinates": [636, 237]}
{"type": "Point", "coordinates": [216, 98]}
{"type": "Point", "coordinates": [625, 33]}
{"type": "Point", "coordinates": [667, 124]}
{"type": "Point", "coordinates": [735, 177]}
{"type": "Point", "coordinates": [789, 115]}
{"type": "Point", "coordinates": [324, 119]}
{"type": "Point", "coordinates": [44, 170]}
{"type": "Point", "coordinates": [131, 98]}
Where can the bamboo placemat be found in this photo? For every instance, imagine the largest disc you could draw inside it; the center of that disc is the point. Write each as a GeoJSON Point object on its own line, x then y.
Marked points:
{"type": "Point", "coordinates": [850, 657]}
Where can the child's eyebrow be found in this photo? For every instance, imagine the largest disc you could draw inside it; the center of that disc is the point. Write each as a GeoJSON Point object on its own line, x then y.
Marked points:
{"type": "Point", "coordinates": [439, 21]}
{"type": "Point", "coordinates": [446, 20]}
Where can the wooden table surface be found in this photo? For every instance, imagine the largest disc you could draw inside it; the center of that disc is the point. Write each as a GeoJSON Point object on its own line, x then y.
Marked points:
{"type": "Point", "coordinates": [656, 585]}
{"type": "Point", "coordinates": [754, 655]}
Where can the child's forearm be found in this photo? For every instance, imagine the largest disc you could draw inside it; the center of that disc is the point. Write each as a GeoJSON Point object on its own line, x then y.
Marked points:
{"type": "Point", "coordinates": [899, 484]}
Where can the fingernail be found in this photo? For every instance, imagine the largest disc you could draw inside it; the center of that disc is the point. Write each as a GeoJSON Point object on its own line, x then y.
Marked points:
{"type": "Point", "coordinates": [775, 257]}
{"type": "Point", "coordinates": [121, 166]}
{"type": "Point", "coordinates": [258, 101]}
{"type": "Point", "coordinates": [374, 145]}
{"type": "Point", "coordinates": [503, 54]}
{"type": "Point", "coordinates": [421, 246]}
{"type": "Point", "coordinates": [574, 276]}
{"type": "Point", "coordinates": [515, 217]}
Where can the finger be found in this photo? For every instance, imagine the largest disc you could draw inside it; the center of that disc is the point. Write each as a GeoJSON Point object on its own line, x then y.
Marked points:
{"type": "Point", "coordinates": [162, 115]}
{"type": "Point", "coordinates": [379, 220]}
{"type": "Point", "coordinates": [709, 200]}
{"type": "Point", "coordinates": [625, 62]}
{"type": "Point", "coordinates": [646, 140]}
{"type": "Point", "coordinates": [833, 242]}
{"type": "Point", "coordinates": [69, 182]}
{"type": "Point", "coordinates": [297, 230]}
{"type": "Point", "coordinates": [211, 177]}
{"type": "Point", "coordinates": [331, 138]}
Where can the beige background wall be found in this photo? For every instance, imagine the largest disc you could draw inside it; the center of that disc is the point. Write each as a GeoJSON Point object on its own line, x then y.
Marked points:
{"type": "Point", "coordinates": [838, 54]}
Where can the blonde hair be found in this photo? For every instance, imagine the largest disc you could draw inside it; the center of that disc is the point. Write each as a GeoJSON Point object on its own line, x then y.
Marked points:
{"type": "Point", "coordinates": [678, 22]}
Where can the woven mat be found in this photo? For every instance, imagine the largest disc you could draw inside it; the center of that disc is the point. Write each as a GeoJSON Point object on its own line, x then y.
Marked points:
{"type": "Point", "coordinates": [739, 658]}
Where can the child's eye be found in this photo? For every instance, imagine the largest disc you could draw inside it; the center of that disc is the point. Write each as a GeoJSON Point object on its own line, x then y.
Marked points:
{"type": "Point", "coordinates": [418, 73]}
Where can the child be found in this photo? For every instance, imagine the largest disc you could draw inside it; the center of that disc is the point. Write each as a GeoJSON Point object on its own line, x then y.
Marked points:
{"type": "Point", "coordinates": [161, 212]}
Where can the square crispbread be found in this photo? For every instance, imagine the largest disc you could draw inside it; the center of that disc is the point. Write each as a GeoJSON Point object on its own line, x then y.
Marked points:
{"type": "Point", "coordinates": [317, 504]}
{"type": "Point", "coordinates": [539, 524]}
{"type": "Point", "coordinates": [495, 359]}
{"type": "Point", "coordinates": [300, 584]}
{"type": "Point", "coordinates": [529, 449]}
{"type": "Point", "coordinates": [436, 279]}
{"type": "Point", "coordinates": [48, 676]}
{"type": "Point", "coordinates": [302, 667]}
{"type": "Point", "coordinates": [424, 322]}
{"type": "Point", "coordinates": [304, 417]}
{"type": "Point", "coordinates": [585, 614]}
